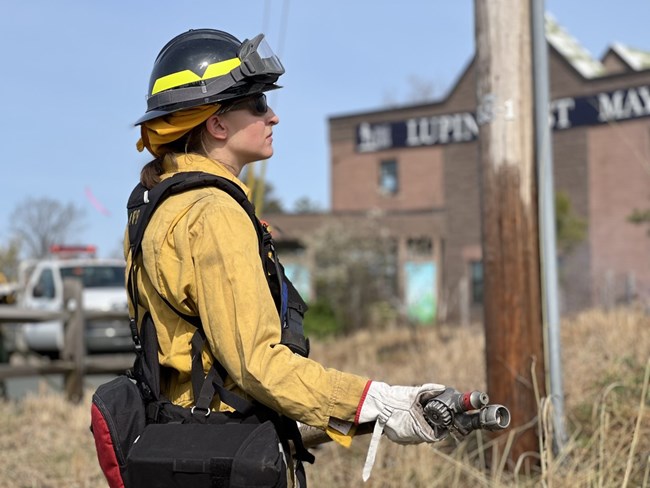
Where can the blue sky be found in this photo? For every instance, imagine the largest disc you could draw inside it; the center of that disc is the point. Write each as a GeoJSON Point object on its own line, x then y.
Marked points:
{"type": "Point", "coordinates": [75, 74]}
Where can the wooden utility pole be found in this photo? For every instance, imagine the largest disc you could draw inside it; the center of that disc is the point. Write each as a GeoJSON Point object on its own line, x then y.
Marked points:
{"type": "Point", "coordinates": [512, 298]}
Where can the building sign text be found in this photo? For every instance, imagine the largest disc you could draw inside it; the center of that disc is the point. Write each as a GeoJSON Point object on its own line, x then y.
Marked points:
{"type": "Point", "coordinates": [564, 113]}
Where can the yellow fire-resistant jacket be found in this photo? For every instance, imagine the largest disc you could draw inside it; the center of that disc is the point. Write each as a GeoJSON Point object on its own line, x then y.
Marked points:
{"type": "Point", "coordinates": [201, 253]}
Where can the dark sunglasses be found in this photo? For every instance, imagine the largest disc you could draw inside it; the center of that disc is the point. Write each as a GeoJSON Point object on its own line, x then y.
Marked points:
{"type": "Point", "coordinates": [256, 105]}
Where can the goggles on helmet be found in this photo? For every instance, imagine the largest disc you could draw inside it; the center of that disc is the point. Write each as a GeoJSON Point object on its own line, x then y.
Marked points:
{"type": "Point", "coordinates": [258, 59]}
{"type": "Point", "coordinates": [255, 69]}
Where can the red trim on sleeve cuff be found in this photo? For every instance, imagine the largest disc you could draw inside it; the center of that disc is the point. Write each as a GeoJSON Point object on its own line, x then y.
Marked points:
{"type": "Point", "coordinates": [363, 398]}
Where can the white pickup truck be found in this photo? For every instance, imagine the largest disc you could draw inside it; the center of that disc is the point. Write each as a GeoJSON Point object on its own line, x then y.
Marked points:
{"type": "Point", "coordinates": [103, 289]}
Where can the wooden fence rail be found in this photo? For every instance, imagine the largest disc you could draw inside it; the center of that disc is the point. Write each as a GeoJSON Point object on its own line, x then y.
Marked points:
{"type": "Point", "coordinates": [74, 362]}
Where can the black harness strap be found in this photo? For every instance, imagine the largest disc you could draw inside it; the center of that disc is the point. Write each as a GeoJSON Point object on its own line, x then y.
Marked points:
{"type": "Point", "coordinates": [205, 387]}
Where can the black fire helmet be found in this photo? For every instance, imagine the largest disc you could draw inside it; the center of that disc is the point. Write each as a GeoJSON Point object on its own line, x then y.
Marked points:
{"type": "Point", "coordinates": [204, 66]}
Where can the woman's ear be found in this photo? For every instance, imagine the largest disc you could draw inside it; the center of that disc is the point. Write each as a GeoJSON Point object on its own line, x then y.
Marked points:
{"type": "Point", "coordinates": [216, 127]}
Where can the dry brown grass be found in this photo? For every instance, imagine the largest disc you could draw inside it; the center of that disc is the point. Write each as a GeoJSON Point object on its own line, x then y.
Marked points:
{"type": "Point", "coordinates": [45, 441]}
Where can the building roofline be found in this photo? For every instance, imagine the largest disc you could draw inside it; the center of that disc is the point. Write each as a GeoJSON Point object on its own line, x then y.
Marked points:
{"type": "Point", "coordinates": [635, 59]}
{"type": "Point", "coordinates": [400, 108]}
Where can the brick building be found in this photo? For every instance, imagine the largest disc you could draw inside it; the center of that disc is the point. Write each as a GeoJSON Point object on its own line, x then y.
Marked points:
{"type": "Point", "coordinates": [414, 170]}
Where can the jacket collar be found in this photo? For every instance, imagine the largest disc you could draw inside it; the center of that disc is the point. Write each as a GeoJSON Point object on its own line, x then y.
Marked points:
{"type": "Point", "coordinates": [178, 163]}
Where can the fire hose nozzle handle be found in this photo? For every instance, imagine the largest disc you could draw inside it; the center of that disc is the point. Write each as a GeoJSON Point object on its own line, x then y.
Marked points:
{"type": "Point", "coordinates": [466, 412]}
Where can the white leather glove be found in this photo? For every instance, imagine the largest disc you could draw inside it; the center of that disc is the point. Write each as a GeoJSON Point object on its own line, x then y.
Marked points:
{"type": "Point", "coordinates": [398, 411]}
{"type": "Point", "coordinates": [401, 411]}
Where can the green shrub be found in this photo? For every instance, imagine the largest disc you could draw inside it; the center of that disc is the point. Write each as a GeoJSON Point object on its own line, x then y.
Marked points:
{"type": "Point", "coordinates": [320, 320]}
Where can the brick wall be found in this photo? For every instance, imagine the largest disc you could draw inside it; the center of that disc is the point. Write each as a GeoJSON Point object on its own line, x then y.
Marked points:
{"type": "Point", "coordinates": [355, 179]}
{"type": "Point", "coordinates": [605, 171]}
{"type": "Point", "coordinates": [619, 179]}
{"type": "Point", "coordinates": [463, 217]}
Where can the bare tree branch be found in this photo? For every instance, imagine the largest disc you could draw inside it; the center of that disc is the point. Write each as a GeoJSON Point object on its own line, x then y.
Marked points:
{"type": "Point", "coordinates": [41, 222]}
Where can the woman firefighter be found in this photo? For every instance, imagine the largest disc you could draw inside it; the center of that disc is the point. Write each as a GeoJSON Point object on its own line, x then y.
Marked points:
{"type": "Point", "coordinates": [202, 261]}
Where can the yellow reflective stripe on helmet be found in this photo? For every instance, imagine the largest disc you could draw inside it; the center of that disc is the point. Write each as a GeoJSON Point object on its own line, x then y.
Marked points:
{"type": "Point", "coordinates": [186, 76]}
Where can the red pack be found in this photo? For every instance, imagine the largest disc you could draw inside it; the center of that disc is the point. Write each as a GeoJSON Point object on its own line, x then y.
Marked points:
{"type": "Point", "coordinates": [117, 420]}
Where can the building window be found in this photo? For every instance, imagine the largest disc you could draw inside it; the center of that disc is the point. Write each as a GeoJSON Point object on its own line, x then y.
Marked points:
{"type": "Point", "coordinates": [476, 270]}
{"type": "Point", "coordinates": [388, 182]}
{"type": "Point", "coordinates": [417, 247]}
